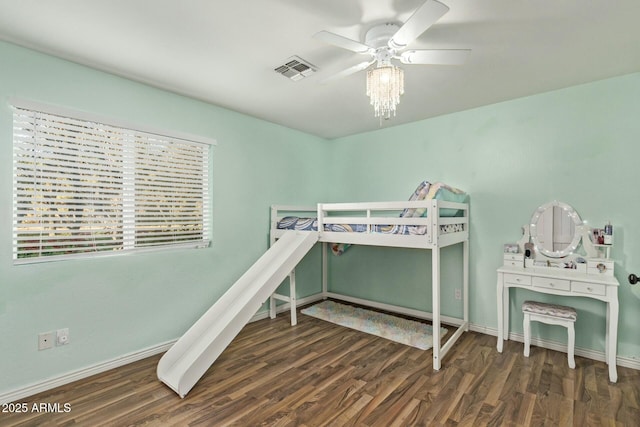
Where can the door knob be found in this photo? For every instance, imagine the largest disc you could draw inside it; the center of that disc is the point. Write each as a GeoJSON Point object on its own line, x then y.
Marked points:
{"type": "Point", "coordinates": [633, 279]}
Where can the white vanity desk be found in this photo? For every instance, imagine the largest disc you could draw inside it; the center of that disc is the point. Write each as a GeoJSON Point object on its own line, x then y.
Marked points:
{"type": "Point", "coordinates": [561, 281]}
{"type": "Point", "coordinates": [568, 283]}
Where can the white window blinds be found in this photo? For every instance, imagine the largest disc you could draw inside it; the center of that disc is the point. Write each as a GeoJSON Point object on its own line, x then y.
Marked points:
{"type": "Point", "coordinates": [83, 188]}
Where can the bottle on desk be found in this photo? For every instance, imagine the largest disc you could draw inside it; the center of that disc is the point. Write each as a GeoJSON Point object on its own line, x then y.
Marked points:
{"type": "Point", "coordinates": [608, 234]}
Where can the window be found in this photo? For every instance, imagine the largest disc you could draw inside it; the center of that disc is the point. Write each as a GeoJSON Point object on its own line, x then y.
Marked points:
{"type": "Point", "coordinates": [87, 188]}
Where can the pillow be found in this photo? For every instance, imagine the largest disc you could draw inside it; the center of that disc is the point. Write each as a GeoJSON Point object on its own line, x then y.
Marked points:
{"type": "Point", "coordinates": [441, 191]}
{"type": "Point", "coordinates": [420, 193]}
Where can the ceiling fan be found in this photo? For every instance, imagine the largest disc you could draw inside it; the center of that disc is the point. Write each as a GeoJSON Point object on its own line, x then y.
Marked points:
{"type": "Point", "coordinates": [387, 41]}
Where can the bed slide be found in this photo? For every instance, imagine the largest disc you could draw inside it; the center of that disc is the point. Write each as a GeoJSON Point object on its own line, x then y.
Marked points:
{"type": "Point", "coordinates": [190, 357]}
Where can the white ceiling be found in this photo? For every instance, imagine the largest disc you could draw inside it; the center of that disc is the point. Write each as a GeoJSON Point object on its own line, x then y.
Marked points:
{"type": "Point", "coordinates": [225, 52]}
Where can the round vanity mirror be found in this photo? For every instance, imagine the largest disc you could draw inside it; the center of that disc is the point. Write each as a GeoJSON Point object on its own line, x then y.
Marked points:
{"type": "Point", "coordinates": [555, 229]}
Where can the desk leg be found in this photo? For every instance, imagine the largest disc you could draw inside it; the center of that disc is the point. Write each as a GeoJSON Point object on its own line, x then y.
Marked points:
{"type": "Point", "coordinates": [505, 315]}
{"type": "Point", "coordinates": [612, 338]}
{"type": "Point", "coordinates": [499, 292]}
{"type": "Point", "coordinates": [606, 334]}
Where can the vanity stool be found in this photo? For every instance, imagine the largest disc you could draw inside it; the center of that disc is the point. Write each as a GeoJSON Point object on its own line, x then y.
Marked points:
{"type": "Point", "coordinates": [551, 314]}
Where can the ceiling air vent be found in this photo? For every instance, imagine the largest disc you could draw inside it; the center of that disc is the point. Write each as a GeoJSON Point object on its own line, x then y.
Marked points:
{"type": "Point", "coordinates": [296, 68]}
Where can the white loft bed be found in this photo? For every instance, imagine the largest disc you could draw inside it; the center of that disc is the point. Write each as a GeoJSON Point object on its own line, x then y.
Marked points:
{"type": "Point", "coordinates": [372, 215]}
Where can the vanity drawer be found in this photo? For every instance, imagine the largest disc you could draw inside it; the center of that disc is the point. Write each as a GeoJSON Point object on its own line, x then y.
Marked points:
{"type": "Point", "coordinates": [517, 279]}
{"type": "Point", "coordinates": [588, 288]}
{"type": "Point", "coordinates": [551, 283]}
{"type": "Point", "coordinates": [603, 267]}
{"type": "Point", "coordinates": [513, 260]}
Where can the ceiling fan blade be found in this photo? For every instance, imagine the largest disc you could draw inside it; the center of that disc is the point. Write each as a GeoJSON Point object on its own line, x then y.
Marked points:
{"type": "Point", "coordinates": [423, 18]}
{"type": "Point", "coordinates": [343, 42]}
{"type": "Point", "coordinates": [351, 70]}
{"type": "Point", "coordinates": [435, 56]}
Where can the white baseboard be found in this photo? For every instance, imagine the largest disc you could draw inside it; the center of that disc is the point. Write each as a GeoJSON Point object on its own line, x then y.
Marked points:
{"type": "Point", "coordinates": [30, 390]}
{"type": "Point", "coordinates": [418, 314]}
{"type": "Point", "coordinates": [287, 306]}
{"type": "Point", "coordinates": [48, 384]}
{"type": "Point", "coordinates": [627, 362]}
{"type": "Point", "coordinates": [79, 374]}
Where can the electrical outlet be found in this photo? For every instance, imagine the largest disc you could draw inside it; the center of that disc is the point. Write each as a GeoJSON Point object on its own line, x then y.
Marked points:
{"type": "Point", "coordinates": [458, 295]}
{"type": "Point", "coordinates": [62, 336]}
{"type": "Point", "coordinates": [45, 340]}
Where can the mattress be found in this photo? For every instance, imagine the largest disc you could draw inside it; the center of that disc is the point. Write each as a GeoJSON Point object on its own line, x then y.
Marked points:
{"type": "Point", "coordinates": [311, 224]}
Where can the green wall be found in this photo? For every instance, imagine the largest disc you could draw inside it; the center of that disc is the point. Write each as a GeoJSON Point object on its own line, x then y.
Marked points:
{"type": "Point", "coordinates": [122, 304]}
{"type": "Point", "coordinates": [579, 145]}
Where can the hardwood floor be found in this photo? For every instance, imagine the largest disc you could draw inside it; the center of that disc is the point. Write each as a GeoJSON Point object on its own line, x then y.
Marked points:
{"type": "Point", "coordinates": [317, 374]}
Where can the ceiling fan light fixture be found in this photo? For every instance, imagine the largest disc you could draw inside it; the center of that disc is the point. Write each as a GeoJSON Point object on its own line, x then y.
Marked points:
{"type": "Point", "coordinates": [385, 84]}
{"type": "Point", "coordinates": [386, 42]}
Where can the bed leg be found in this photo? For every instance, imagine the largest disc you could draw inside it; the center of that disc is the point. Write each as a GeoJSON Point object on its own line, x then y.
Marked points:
{"type": "Point", "coordinates": [465, 283]}
{"type": "Point", "coordinates": [292, 297]}
{"type": "Point", "coordinates": [272, 307]}
{"type": "Point", "coordinates": [435, 286]}
{"type": "Point", "coordinates": [324, 270]}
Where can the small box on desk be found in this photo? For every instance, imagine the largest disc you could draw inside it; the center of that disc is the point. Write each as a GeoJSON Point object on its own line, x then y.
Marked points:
{"type": "Point", "coordinates": [513, 260]}
{"type": "Point", "coordinates": [511, 248]}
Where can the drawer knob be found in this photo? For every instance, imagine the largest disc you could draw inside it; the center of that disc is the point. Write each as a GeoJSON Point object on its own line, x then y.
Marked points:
{"type": "Point", "coordinates": [551, 284]}
{"type": "Point", "coordinates": [590, 289]}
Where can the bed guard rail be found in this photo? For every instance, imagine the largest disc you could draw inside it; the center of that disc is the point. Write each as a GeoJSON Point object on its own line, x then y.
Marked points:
{"type": "Point", "coordinates": [373, 213]}
{"type": "Point", "coordinates": [387, 213]}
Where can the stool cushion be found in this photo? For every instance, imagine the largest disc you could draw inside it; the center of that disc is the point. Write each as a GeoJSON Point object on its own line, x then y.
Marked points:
{"type": "Point", "coordinates": [552, 310]}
